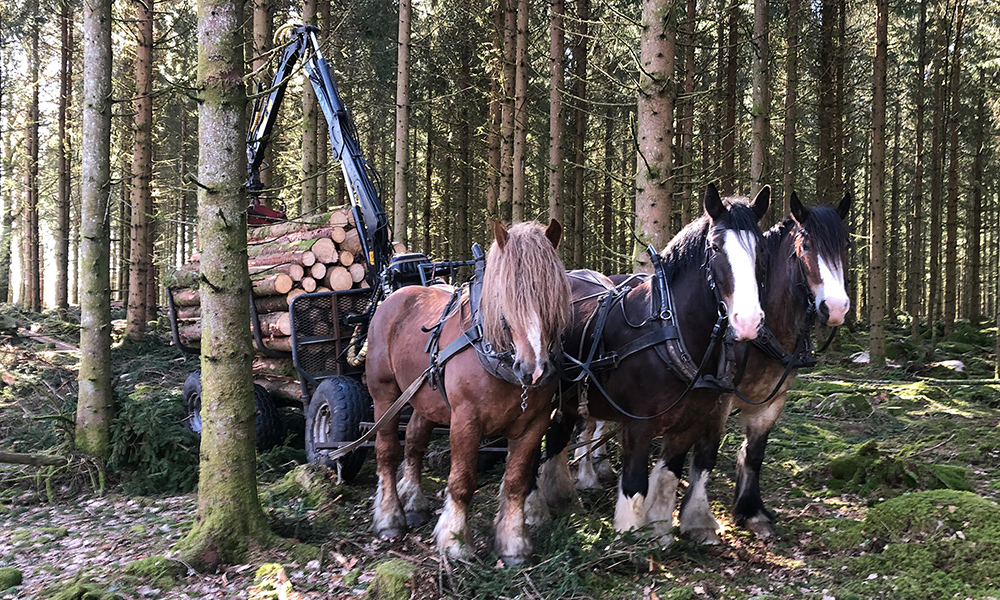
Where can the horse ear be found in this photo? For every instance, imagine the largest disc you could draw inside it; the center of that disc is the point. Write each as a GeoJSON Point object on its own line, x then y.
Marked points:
{"type": "Point", "coordinates": [845, 206]}
{"type": "Point", "coordinates": [554, 232]}
{"type": "Point", "coordinates": [499, 234]}
{"type": "Point", "coordinates": [762, 202]}
{"type": "Point", "coordinates": [713, 203]}
{"type": "Point", "coordinates": [799, 212]}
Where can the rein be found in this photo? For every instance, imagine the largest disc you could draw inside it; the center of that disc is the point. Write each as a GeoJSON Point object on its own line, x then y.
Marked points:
{"type": "Point", "coordinates": [804, 353]}
{"type": "Point", "coordinates": [675, 352]}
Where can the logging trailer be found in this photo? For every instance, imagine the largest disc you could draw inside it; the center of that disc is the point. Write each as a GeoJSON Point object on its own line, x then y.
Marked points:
{"type": "Point", "coordinates": [326, 328]}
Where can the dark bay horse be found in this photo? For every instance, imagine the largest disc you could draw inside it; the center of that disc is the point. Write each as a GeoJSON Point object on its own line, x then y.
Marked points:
{"type": "Point", "coordinates": [711, 269]}
{"type": "Point", "coordinates": [525, 307]}
{"type": "Point", "coordinates": [806, 258]}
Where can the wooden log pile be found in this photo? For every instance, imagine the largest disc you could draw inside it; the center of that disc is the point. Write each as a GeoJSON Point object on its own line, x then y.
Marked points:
{"type": "Point", "coordinates": [321, 253]}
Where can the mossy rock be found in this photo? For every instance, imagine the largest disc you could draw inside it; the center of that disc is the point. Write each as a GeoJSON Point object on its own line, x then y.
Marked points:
{"type": "Point", "coordinates": [866, 469]}
{"type": "Point", "coordinates": [935, 513]}
{"type": "Point", "coordinates": [78, 589]}
{"type": "Point", "coordinates": [902, 350]}
{"type": "Point", "coordinates": [957, 348]}
{"type": "Point", "coordinates": [270, 582]}
{"type": "Point", "coordinates": [844, 405]}
{"type": "Point", "coordinates": [937, 544]}
{"type": "Point", "coordinates": [393, 580]}
{"type": "Point", "coordinates": [946, 370]}
{"type": "Point", "coordinates": [9, 577]}
{"type": "Point", "coordinates": [157, 571]}
{"type": "Point", "coordinates": [966, 333]}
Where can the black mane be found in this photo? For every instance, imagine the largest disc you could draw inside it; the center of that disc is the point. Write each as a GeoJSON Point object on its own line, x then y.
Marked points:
{"type": "Point", "coordinates": [687, 249]}
{"type": "Point", "coordinates": [826, 233]}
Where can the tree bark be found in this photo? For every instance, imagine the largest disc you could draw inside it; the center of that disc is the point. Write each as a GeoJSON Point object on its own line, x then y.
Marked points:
{"type": "Point", "coordinates": [876, 272]}
{"type": "Point", "coordinates": [973, 274]}
{"type": "Point", "coordinates": [402, 164]}
{"type": "Point", "coordinates": [262, 20]}
{"type": "Point", "coordinates": [580, 57]}
{"type": "Point", "coordinates": [310, 123]}
{"type": "Point", "coordinates": [62, 232]}
{"type": "Point", "coordinates": [826, 91]}
{"type": "Point", "coordinates": [557, 79]}
{"type": "Point", "coordinates": [141, 253]}
{"type": "Point", "coordinates": [951, 224]}
{"type": "Point", "coordinates": [229, 515]}
{"type": "Point", "coordinates": [789, 162]}
{"type": "Point", "coordinates": [508, 74]}
{"type": "Point", "coordinates": [760, 139]}
{"type": "Point", "coordinates": [730, 101]}
{"type": "Point", "coordinates": [520, 112]}
{"type": "Point", "coordinates": [934, 232]}
{"type": "Point", "coordinates": [655, 128]}
{"type": "Point", "coordinates": [686, 119]}
{"type": "Point", "coordinates": [95, 398]}
{"type": "Point", "coordinates": [915, 262]}
{"type": "Point", "coordinates": [31, 274]}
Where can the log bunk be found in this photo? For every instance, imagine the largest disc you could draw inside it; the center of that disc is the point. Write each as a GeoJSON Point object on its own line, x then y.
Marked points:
{"type": "Point", "coordinates": [312, 254]}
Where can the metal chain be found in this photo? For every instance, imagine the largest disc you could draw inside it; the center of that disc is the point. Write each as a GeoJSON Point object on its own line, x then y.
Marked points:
{"type": "Point", "coordinates": [524, 398]}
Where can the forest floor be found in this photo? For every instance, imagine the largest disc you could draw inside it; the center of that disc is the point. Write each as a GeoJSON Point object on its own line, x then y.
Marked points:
{"type": "Point", "coordinates": [884, 484]}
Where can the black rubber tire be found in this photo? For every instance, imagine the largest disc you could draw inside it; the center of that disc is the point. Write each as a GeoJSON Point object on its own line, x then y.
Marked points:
{"type": "Point", "coordinates": [336, 410]}
{"type": "Point", "coordinates": [268, 428]}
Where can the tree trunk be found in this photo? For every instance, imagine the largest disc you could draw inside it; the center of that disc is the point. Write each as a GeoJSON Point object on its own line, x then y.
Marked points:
{"type": "Point", "coordinates": [61, 233]}
{"type": "Point", "coordinates": [465, 158]}
{"type": "Point", "coordinates": [508, 74]}
{"type": "Point", "coordinates": [580, 52]}
{"type": "Point", "coordinates": [789, 163]}
{"type": "Point", "coordinates": [310, 123]}
{"type": "Point", "coordinates": [31, 274]}
{"type": "Point", "coordinates": [915, 260]}
{"type": "Point", "coordinates": [607, 205]}
{"type": "Point", "coordinates": [876, 272]}
{"type": "Point", "coordinates": [402, 165]}
{"type": "Point", "coordinates": [322, 131]}
{"type": "Point", "coordinates": [142, 170]}
{"type": "Point", "coordinates": [687, 116]}
{"type": "Point", "coordinates": [428, 183]}
{"type": "Point", "coordinates": [520, 113]}
{"type": "Point", "coordinates": [760, 139]}
{"type": "Point", "coordinates": [95, 398]}
{"type": "Point", "coordinates": [973, 284]}
{"type": "Point", "coordinates": [937, 136]}
{"type": "Point", "coordinates": [951, 224]}
{"type": "Point", "coordinates": [229, 513]}
{"type": "Point", "coordinates": [826, 91]}
{"type": "Point", "coordinates": [262, 20]}
{"type": "Point", "coordinates": [730, 101]}
{"type": "Point", "coordinates": [655, 128]}
{"type": "Point", "coordinates": [894, 222]}
{"type": "Point", "coordinates": [557, 56]}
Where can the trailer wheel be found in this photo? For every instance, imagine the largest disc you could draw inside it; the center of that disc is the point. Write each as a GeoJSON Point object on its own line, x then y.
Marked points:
{"type": "Point", "coordinates": [268, 428]}
{"type": "Point", "coordinates": [336, 410]}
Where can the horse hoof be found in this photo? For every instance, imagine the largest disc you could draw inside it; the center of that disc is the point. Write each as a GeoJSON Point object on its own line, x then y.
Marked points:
{"type": "Point", "coordinates": [705, 537]}
{"type": "Point", "coordinates": [391, 533]}
{"type": "Point", "coordinates": [417, 518]}
{"type": "Point", "coordinates": [513, 561]}
{"type": "Point", "coordinates": [761, 528]}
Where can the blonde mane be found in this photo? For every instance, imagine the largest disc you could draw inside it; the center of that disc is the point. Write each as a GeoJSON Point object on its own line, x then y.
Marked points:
{"type": "Point", "coordinates": [524, 284]}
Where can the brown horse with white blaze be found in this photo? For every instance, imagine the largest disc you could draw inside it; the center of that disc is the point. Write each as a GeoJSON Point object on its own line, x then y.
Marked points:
{"type": "Point", "coordinates": [525, 308]}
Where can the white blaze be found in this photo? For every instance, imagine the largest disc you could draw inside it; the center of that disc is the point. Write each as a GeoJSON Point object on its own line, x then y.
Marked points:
{"type": "Point", "coordinates": [833, 292]}
{"type": "Point", "coordinates": [745, 314]}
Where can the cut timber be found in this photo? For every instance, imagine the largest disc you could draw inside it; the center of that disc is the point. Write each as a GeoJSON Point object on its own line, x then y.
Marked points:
{"type": "Point", "coordinates": [186, 297]}
{"type": "Point", "coordinates": [357, 271]}
{"type": "Point", "coordinates": [308, 284]}
{"type": "Point", "coordinates": [279, 283]}
{"type": "Point", "coordinates": [269, 304]}
{"type": "Point", "coordinates": [190, 333]}
{"type": "Point", "coordinates": [34, 460]}
{"type": "Point", "coordinates": [338, 279]}
{"type": "Point", "coordinates": [268, 248]}
{"type": "Point", "coordinates": [293, 270]}
{"type": "Point", "coordinates": [398, 248]}
{"type": "Point", "coordinates": [289, 391]}
{"type": "Point", "coordinates": [352, 242]}
{"type": "Point", "coordinates": [338, 217]}
{"type": "Point", "coordinates": [318, 271]}
{"type": "Point", "coordinates": [280, 367]}
{"type": "Point", "coordinates": [305, 258]}
{"type": "Point", "coordinates": [275, 324]}
{"type": "Point", "coordinates": [186, 313]}
{"type": "Point", "coordinates": [182, 278]}
{"type": "Point", "coordinates": [325, 250]}
{"type": "Point", "coordinates": [346, 258]}
{"type": "Point", "coordinates": [278, 344]}
{"type": "Point", "coordinates": [338, 234]}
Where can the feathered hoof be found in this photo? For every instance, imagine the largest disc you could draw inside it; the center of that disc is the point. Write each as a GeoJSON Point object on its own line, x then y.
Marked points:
{"type": "Point", "coordinates": [513, 561]}
{"type": "Point", "coordinates": [391, 533]}
{"type": "Point", "coordinates": [417, 518]}
{"type": "Point", "coordinates": [705, 537]}
{"type": "Point", "coordinates": [761, 527]}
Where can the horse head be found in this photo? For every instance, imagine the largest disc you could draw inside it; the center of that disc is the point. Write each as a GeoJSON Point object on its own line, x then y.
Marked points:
{"type": "Point", "coordinates": [821, 246]}
{"type": "Point", "coordinates": [734, 241]}
{"type": "Point", "coordinates": [526, 299]}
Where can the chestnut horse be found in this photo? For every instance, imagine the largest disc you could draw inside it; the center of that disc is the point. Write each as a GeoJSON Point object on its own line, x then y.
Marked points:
{"type": "Point", "coordinates": [710, 268]}
{"type": "Point", "coordinates": [525, 307]}
{"type": "Point", "coordinates": [806, 258]}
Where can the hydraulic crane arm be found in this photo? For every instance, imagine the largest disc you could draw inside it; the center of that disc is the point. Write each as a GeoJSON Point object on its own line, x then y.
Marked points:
{"type": "Point", "coordinates": [366, 203]}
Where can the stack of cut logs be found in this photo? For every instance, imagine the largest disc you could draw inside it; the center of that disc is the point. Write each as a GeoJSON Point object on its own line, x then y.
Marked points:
{"type": "Point", "coordinates": [315, 254]}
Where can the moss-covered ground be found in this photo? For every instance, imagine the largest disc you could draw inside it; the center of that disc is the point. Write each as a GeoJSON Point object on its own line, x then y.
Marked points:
{"type": "Point", "coordinates": [884, 482]}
